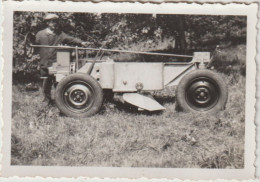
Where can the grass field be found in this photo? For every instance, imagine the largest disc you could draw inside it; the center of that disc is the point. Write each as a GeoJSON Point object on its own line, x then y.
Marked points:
{"type": "Point", "coordinates": [122, 136]}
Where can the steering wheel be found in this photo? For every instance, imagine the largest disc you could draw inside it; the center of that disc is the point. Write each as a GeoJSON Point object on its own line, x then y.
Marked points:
{"type": "Point", "coordinates": [28, 50]}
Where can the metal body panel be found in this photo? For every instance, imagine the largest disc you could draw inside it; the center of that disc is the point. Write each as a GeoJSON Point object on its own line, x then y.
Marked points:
{"type": "Point", "coordinates": [173, 73]}
{"type": "Point", "coordinates": [103, 72]}
{"type": "Point", "coordinates": [128, 75]}
{"type": "Point", "coordinates": [59, 77]}
{"type": "Point", "coordinates": [63, 58]}
{"type": "Point", "coordinates": [61, 68]}
{"type": "Point", "coordinates": [125, 76]}
{"type": "Point", "coordinates": [201, 57]}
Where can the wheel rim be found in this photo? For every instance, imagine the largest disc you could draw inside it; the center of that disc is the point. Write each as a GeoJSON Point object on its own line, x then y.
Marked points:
{"type": "Point", "coordinates": [202, 94]}
{"type": "Point", "coordinates": [78, 96]}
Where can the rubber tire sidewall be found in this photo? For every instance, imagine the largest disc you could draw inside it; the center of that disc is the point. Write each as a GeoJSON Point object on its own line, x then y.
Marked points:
{"type": "Point", "coordinates": [98, 101]}
{"type": "Point", "coordinates": [185, 81]}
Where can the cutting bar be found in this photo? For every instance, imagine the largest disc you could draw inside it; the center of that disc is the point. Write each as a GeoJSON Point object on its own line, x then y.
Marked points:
{"type": "Point", "coordinates": [113, 50]}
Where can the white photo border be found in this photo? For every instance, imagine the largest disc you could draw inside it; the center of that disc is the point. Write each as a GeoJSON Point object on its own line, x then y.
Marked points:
{"type": "Point", "coordinates": [119, 172]}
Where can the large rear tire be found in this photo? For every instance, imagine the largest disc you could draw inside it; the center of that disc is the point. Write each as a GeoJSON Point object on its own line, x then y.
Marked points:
{"type": "Point", "coordinates": [79, 95]}
{"type": "Point", "coordinates": [201, 91]}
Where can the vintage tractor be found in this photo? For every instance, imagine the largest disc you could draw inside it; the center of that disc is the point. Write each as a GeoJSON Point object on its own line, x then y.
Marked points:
{"type": "Point", "coordinates": [81, 82]}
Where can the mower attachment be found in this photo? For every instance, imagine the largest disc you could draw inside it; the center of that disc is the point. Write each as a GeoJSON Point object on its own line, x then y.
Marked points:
{"type": "Point", "coordinates": [142, 101]}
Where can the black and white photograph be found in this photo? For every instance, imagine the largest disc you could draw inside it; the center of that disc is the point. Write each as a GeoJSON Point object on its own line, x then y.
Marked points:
{"type": "Point", "coordinates": [131, 89]}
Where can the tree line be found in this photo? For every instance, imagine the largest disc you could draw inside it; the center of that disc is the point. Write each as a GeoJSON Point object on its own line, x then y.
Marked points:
{"type": "Point", "coordinates": [111, 30]}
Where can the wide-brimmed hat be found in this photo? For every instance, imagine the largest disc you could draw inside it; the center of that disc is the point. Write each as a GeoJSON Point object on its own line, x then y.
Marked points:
{"type": "Point", "coordinates": [51, 17]}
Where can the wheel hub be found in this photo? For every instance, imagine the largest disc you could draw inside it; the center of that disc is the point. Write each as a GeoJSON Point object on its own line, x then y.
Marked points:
{"type": "Point", "coordinates": [78, 95]}
{"type": "Point", "coordinates": [202, 94]}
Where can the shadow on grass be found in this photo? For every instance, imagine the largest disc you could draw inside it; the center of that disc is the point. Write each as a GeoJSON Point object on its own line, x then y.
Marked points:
{"type": "Point", "coordinates": [165, 99]}
{"type": "Point", "coordinates": [128, 108]}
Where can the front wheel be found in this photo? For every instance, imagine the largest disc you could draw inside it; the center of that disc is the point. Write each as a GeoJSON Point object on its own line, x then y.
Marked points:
{"type": "Point", "coordinates": [201, 91]}
{"type": "Point", "coordinates": [79, 95]}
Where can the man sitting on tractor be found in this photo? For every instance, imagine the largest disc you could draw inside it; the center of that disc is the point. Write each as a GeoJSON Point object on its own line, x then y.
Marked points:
{"type": "Point", "coordinates": [52, 36]}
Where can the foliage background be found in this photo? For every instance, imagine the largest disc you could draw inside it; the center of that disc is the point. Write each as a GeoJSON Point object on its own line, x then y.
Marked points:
{"type": "Point", "coordinates": [182, 34]}
{"type": "Point", "coordinates": [119, 135]}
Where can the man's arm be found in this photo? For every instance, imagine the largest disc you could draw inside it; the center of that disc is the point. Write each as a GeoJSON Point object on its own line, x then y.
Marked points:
{"type": "Point", "coordinates": [72, 40]}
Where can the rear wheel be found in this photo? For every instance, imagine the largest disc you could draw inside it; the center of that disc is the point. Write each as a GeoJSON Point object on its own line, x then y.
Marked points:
{"type": "Point", "coordinates": [201, 91]}
{"type": "Point", "coordinates": [79, 95]}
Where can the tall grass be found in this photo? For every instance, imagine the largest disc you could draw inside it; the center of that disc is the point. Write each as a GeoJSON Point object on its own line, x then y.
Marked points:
{"type": "Point", "coordinates": [121, 136]}
{"type": "Point", "coordinates": [231, 60]}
